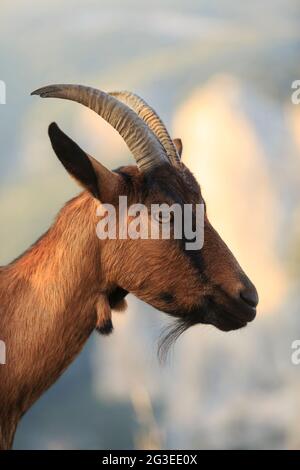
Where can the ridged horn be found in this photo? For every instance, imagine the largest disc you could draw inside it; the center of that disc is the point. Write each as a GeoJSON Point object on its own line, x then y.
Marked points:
{"type": "Point", "coordinates": [141, 141]}
{"type": "Point", "coordinates": [153, 121]}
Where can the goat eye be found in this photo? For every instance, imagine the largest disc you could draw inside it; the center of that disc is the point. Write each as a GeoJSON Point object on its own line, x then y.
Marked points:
{"type": "Point", "coordinates": [163, 217]}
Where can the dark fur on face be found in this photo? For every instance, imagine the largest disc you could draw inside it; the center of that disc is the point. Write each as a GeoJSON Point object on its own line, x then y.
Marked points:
{"type": "Point", "coordinates": [206, 283]}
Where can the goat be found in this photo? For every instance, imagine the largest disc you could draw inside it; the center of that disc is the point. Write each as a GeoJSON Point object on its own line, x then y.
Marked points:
{"type": "Point", "coordinates": [67, 283]}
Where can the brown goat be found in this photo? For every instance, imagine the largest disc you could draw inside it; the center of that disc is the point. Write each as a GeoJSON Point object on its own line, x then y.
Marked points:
{"type": "Point", "coordinates": [64, 287]}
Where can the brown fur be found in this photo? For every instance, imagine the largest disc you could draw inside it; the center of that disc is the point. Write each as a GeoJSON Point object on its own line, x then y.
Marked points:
{"type": "Point", "coordinates": [47, 305]}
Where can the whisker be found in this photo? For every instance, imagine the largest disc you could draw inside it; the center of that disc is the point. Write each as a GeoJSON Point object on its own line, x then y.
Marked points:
{"type": "Point", "coordinates": [168, 337]}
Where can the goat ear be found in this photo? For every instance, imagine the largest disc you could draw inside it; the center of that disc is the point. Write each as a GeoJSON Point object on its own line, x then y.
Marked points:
{"type": "Point", "coordinates": [179, 146]}
{"type": "Point", "coordinates": [87, 171]}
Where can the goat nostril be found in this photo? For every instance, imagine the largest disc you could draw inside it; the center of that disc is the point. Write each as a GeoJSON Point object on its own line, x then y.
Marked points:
{"type": "Point", "coordinates": [250, 296]}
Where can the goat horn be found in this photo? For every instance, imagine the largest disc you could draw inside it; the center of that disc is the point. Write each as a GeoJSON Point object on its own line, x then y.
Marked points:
{"type": "Point", "coordinates": [153, 121]}
{"type": "Point", "coordinates": [143, 144]}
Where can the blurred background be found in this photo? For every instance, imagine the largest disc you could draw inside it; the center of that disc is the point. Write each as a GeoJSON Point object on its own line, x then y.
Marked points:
{"type": "Point", "coordinates": [219, 73]}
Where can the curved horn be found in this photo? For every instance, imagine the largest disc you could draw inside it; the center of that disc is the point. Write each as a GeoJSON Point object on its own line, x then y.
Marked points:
{"type": "Point", "coordinates": [143, 144]}
{"type": "Point", "coordinates": [153, 121]}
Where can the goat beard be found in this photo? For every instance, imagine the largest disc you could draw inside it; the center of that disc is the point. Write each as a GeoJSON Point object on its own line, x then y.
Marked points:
{"type": "Point", "coordinates": [170, 335]}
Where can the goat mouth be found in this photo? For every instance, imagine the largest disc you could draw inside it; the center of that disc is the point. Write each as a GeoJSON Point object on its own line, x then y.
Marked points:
{"type": "Point", "coordinates": [228, 324]}
{"type": "Point", "coordinates": [228, 319]}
